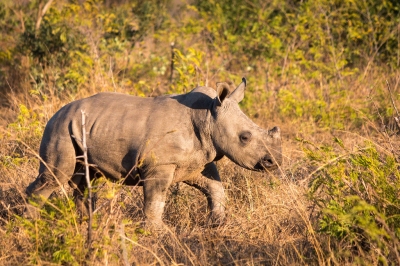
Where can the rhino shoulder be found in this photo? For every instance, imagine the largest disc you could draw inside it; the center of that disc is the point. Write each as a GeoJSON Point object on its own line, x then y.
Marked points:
{"type": "Point", "coordinates": [210, 92]}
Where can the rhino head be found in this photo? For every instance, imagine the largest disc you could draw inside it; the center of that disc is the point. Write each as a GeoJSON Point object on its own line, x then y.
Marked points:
{"type": "Point", "coordinates": [238, 138]}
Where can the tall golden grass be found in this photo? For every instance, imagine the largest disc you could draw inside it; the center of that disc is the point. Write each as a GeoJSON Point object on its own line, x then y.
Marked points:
{"type": "Point", "coordinates": [271, 219]}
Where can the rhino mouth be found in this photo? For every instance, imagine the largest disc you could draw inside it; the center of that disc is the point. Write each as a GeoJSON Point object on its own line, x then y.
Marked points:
{"type": "Point", "coordinates": [266, 163]}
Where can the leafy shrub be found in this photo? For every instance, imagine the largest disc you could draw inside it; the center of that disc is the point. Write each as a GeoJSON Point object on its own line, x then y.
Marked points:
{"type": "Point", "coordinates": [189, 70]}
{"type": "Point", "coordinates": [323, 37]}
{"type": "Point", "coordinates": [358, 196]}
{"type": "Point", "coordinates": [56, 235]}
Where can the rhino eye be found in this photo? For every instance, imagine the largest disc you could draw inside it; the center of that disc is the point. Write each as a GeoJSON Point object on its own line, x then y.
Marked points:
{"type": "Point", "coordinates": [245, 137]}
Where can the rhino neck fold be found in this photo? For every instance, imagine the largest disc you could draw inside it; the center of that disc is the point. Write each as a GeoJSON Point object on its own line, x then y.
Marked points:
{"type": "Point", "coordinates": [201, 121]}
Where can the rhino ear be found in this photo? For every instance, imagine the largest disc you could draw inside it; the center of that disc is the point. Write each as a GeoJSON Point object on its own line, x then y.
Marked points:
{"type": "Point", "coordinates": [222, 91]}
{"type": "Point", "coordinates": [238, 94]}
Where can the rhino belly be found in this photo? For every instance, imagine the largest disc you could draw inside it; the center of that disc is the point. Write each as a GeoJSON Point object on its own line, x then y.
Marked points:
{"type": "Point", "coordinates": [114, 162]}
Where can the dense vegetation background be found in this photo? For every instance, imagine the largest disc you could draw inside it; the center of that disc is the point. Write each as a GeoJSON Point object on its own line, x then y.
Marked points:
{"type": "Point", "coordinates": [327, 72]}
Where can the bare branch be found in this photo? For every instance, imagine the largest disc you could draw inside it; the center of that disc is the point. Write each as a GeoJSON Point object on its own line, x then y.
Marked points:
{"type": "Point", "coordinates": [20, 16]}
{"type": "Point", "coordinates": [41, 13]}
{"type": "Point", "coordinates": [171, 74]}
{"type": "Point", "coordinates": [123, 244]}
{"type": "Point", "coordinates": [89, 187]}
{"type": "Point", "coordinates": [396, 118]}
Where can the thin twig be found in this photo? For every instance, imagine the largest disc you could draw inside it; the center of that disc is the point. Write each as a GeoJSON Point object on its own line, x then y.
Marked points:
{"type": "Point", "coordinates": [89, 187]}
{"type": "Point", "coordinates": [41, 14]}
{"type": "Point", "coordinates": [384, 131]}
{"type": "Point", "coordinates": [171, 75]}
{"type": "Point", "coordinates": [123, 244]}
{"type": "Point", "coordinates": [112, 76]}
{"type": "Point", "coordinates": [396, 118]}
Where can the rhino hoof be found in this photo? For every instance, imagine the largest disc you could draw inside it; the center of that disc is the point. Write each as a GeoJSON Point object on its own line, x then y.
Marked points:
{"type": "Point", "coordinates": [154, 227]}
{"type": "Point", "coordinates": [216, 221]}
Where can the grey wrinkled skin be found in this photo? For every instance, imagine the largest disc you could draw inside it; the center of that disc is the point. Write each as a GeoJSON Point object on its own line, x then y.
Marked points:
{"type": "Point", "coordinates": [154, 143]}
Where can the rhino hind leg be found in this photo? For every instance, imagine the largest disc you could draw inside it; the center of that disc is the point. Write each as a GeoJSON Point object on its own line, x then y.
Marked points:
{"type": "Point", "coordinates": [79, 185]}
{"type": "Point", "coordinates": [209, 183]}
{"type": "Point", "coordinates": [37, 191]}
{"type": "Point", "coordinates": [54, 171]}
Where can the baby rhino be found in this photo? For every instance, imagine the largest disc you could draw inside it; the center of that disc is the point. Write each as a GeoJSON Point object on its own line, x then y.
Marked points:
{"type": "Point", "coordinates": [155, 142]}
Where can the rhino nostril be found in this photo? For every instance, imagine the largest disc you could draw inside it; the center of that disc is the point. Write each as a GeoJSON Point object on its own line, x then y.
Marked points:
{"type": "Point", "coordinates": [267, 160]}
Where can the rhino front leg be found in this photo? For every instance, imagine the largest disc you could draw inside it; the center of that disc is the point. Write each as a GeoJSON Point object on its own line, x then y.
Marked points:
{"type": "Point", "coordinates": [155, 188]}
{"type": "Point", "coordinates": [210, 184]}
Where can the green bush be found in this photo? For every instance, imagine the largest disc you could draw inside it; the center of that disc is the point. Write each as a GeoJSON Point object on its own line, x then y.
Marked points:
{"type": "Point", "coordinates": [323, 37]}
{"type": "Point", "coordinates": [357, 193]}
{"type": "Point", "coordinates": [56, 235]}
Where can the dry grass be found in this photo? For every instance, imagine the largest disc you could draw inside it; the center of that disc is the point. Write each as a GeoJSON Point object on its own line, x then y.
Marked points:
{"type": "Point", "coordinates": [270, 219]}
{"type": "Point", "coordinates": [268, 223]}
